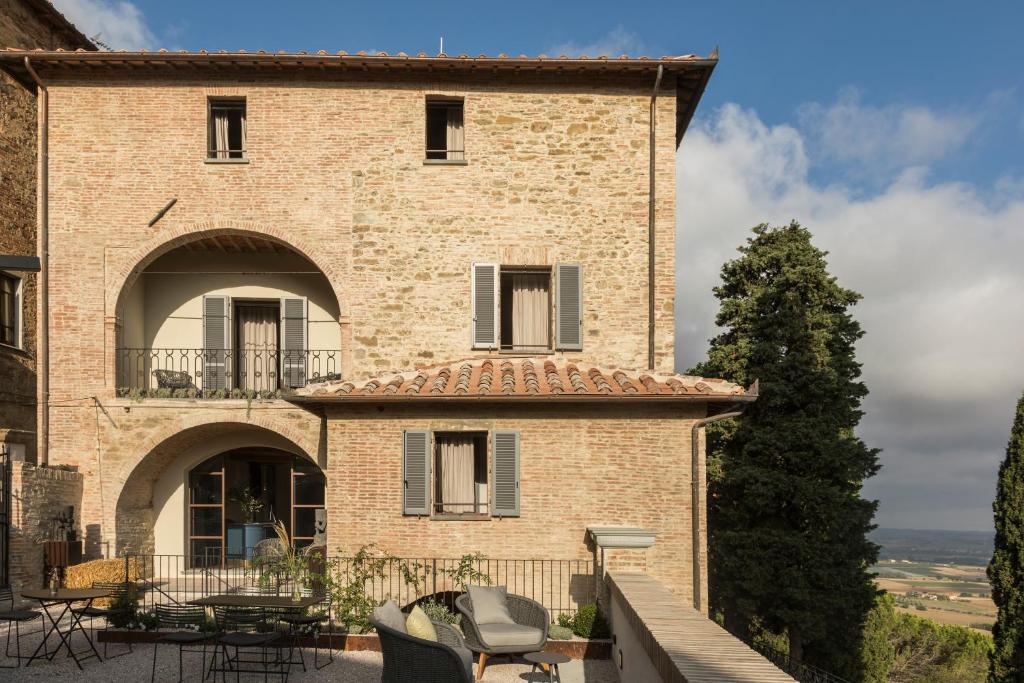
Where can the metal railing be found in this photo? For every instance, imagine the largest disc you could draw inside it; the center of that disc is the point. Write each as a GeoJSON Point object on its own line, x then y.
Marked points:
{"type": "Point", "coordinates": [562, 586]}
{"type": "Point", "coordinates": [218, 372]}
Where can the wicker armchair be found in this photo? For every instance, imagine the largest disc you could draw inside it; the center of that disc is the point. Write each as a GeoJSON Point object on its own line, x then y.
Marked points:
{"type": "Point", "coordinates": [173, 379]}
{"type": "Point", "coordinates": [408, 659]}
{"type": "Point", "coordinates": [525, 612]}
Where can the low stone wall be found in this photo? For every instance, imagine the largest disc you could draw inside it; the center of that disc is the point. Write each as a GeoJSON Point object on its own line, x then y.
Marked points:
{"type": "Point", "coordinates": [657, 638]}
{"type": "Point", "coordinates": [37, 495]}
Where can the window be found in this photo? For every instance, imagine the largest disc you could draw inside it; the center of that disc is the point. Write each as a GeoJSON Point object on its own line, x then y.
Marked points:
{"type": "Point", "coordinates": [452, 474]}
{"type": "Point", "coordinates": [10, 306]}
{"type": "Point", "coordinates": [460, 473]}
{"type": "Point", "coordinates": [226, 136]}
{"type": "Point", "coordinates": [520, 309]}
{"type": "Point", "coordinates": [525, 308]}
{"type": "Point", "coordinates": [445, 132]}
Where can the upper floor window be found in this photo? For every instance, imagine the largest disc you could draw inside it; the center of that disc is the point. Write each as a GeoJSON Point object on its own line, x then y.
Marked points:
{"type": "Point", "coordinates": [226, 135]}
{"type": "Point", "coordinates": [445, 133]}
{"type": "Point", "coordinates": [527, 310]}
{"type": "Point", "coordinates": [10, 307]}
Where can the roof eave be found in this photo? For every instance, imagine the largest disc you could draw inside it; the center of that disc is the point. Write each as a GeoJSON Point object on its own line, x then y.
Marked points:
{"type": "Point", "coordinates": [551, 398]}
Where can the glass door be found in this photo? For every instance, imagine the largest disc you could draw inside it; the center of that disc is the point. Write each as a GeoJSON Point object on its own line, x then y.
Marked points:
{"type": "Point", "coordinates": [308, 496]}
{"type": "Point", "coordinates": [206, 513]}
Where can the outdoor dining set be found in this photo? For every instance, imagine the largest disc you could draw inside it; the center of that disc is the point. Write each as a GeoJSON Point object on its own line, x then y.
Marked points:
{"type": "Point", "coordinates": [257, 631]}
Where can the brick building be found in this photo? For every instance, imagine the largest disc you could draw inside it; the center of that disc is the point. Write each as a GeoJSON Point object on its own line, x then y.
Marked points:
{"type": "Point", "coordinates": [432, 296]}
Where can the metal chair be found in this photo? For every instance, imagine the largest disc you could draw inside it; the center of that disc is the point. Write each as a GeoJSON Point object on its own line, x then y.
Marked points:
{"type": "Point", "coordinates": [245, 628]}
{"type": "Point", "coordinates": [296, 620]}
{"type": "Point", "coordinates": [183, 619]}
{"type": "Point", "coordinates": [14, 619]}
{"type": "Point", "coordinates": [117, 591]}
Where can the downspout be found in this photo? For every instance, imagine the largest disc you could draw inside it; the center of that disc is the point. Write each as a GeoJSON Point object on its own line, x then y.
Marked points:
{"type": "Point", "coordinates": [43, 246]}
{"type": "Point", "coordinates": [695, 496]}
{"type": "Point", "coordinates": [650, 223]}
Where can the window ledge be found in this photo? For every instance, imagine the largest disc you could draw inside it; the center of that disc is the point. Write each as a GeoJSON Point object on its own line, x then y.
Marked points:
{"type": "Point", "coordinates": [445, 162]}
{"type": "Point", "coordinates": [16, 350]}
{"type": "Point", "coordinates": [477, 517]}
{"type": "Point", "coordinates": [225, 161]}
{"type": "Point", "coordinates": [525, 353]}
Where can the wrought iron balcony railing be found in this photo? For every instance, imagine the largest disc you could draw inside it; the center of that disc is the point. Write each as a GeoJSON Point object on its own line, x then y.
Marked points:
{"type": "Point", "coordinates": [213, 373]}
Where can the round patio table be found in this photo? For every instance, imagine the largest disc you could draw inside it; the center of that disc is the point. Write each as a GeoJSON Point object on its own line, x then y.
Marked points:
{"type": "Point", "coordinates": [65, 597]}
{"type": "Point", "coordinates": [548, 661]}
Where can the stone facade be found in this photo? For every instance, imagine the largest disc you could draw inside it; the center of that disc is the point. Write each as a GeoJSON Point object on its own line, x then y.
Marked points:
{"type": "Point", "coordinates": [38, 494]}
{"type": "Point", "coordinates": [556, 172]}
{"type": "Point", "coordinates": [23, 24]}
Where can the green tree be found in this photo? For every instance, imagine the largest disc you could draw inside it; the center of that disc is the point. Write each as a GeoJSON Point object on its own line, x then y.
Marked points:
{"type": "Point", "coordinates": [788, 542]}
{"type": "Point", "coordinates": [1006, 570]}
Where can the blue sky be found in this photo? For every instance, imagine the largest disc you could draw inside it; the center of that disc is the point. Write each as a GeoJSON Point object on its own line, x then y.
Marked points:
{"type": "Point", "coordinates": [894, 131]}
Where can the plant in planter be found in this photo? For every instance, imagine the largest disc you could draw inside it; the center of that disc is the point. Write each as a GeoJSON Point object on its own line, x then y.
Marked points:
{"type": "Point", "coordinates": [588, 622]}
{"type": "Point", "coordinates": [556, 632]}
{"type": "Point", "coordinates": [346, 582]}
{"type": "Point", "coordinates": [285, 566]}
{"type": "Point", "coordinates": [247, 500]}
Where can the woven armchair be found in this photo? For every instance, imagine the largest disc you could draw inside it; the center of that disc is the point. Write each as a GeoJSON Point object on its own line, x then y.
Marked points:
{"type": "Point", "coordinates": [408, 659]}
{"type": "Point", "coordinates": [524, 611]}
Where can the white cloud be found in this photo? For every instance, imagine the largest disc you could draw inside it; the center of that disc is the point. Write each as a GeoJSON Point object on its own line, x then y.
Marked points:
{"type": "Point", "coordinates": [617, 42]}
{"type": "Point", "coordinates": [119, 25]}
{"type": "Point", "coordinates": [883, 138]}
{"type": "Point", "coordinates": [939, 266]}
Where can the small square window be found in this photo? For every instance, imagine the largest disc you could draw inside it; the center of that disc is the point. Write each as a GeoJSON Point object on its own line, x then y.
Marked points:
{"type": "Point", "coordinates": [445, 133]}
{"type": "Point", "coordinates": [10, 305]}
{"type": "Point", "coordinates": [525, 308]}
{"type": "Point", "coordinates": [226, 136]}
{"type": "Point", "coordinates": [460, 473]}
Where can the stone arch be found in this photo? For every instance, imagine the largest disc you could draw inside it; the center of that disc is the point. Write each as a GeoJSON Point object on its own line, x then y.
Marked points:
{"type": "Point", "coordinates": [183, 444]}
{"type": "Point", "coordinates": [125, 275]}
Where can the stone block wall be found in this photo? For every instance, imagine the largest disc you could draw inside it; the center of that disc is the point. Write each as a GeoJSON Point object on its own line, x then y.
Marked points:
{"type": "Point", "coordinates": [37, 495]}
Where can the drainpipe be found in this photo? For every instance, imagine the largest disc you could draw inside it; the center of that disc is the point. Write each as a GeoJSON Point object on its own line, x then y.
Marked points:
{"type": "Point", "coordinates": [695, 496]}
{"type": "Point", "coordinates": [650, 225]}
{"type": "Point", "coordinates": [43, 246]}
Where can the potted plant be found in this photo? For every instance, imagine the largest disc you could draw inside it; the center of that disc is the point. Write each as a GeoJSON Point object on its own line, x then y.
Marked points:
{"type": "Point", "coordinates": [251, 532]}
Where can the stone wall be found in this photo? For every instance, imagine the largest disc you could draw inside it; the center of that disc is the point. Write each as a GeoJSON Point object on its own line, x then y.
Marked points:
{"type": "Point", "coordinates": [37, 495]}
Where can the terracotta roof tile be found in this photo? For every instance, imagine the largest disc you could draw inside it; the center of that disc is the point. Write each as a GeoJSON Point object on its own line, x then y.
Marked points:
{"type": "Point", "coordinates": [549, 377]}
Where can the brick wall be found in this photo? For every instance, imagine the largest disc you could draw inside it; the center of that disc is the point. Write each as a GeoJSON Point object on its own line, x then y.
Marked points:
{"type": "Point", "coordinates": [37, 495]}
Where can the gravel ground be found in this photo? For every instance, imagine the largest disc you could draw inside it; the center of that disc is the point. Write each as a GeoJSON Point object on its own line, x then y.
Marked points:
{"type": "Point", "coordinates": [351, 667]}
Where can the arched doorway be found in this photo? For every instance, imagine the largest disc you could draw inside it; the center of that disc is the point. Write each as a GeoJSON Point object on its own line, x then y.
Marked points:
{"type": "Point", "coordinates": [236, 497]}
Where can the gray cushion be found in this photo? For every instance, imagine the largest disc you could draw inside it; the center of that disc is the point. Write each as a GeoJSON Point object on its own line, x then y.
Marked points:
{"type": "Point", "coordinates": [490, 605]}
{"type": "Point", "coordinates": [510, 635]}
{"type": "Point", "coordinates": [390, 614]}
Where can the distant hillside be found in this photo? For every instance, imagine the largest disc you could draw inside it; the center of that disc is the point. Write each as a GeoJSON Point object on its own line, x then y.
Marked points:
{"type": "Point", "coordinates": [922, 545]}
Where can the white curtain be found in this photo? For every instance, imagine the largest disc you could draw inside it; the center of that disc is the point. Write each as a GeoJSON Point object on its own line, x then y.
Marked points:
{"type": "Point", "coordinates": [455, 469]}
{"type": "Point", "coordinates": [220, 132]}
{"type": "Point", "coordinates": [257, 341]}
{"type": "Point", "coordinates": [530, 306]}
{"type": "Point", "coordinates": [456, 137]}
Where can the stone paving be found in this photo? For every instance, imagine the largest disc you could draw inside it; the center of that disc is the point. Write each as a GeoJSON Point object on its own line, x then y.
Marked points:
{"type": "Point", "coordinates": [351, 667]}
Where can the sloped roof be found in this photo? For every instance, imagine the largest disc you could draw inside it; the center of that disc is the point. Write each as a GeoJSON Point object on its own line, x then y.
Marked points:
{"type": "Point", "coordinates": [544, 378]}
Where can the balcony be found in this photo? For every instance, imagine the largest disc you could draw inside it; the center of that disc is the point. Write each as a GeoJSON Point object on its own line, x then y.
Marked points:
{"type": "Point", "coordinates": [227, 316]}
{"type": "Point", "coordinates": [221, 373]}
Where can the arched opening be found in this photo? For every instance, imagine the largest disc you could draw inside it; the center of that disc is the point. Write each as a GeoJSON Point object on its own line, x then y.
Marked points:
{"type": "Point", "coordinates": [226, 314]}
{"type": "Point", "coordinates": [235, 498]}
{"type": "Point", "coordinates": [153, 506]}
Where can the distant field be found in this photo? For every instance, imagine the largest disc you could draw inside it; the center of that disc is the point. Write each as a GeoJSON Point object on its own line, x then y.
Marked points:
{"type": "Point", "coordinates": [934, 546]}
{"type": "Point", "coordinates": [934, 591]}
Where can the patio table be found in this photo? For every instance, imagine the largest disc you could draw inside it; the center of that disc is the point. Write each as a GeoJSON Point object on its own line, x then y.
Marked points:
{"type": "Point", "coordinates": [65, 597]}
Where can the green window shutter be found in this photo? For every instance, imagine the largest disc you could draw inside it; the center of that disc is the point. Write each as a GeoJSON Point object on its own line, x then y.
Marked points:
{"type": "Point", "coordinates": [505, 474]}
{"type": "Point", "coordinates": [569, 306]}
{"type": "Point", "coordinates": [216, 341]}
{"type": "Point", "coordinates": [485, 305]}
{"type": "Point", "coordinates": [416, 472]}
{"type": "Point", "coordinates": [294, 314]}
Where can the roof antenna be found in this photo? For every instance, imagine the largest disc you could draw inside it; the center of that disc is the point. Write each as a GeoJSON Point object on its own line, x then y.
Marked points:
{"type": "Point", "coordinates": [441, 51]}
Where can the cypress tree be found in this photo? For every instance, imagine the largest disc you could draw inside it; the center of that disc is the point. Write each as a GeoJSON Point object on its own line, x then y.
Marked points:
{"type": "Point", "coordinates": [788, 527]}
{"type": "Point", "coordinates": [1006, 570]}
